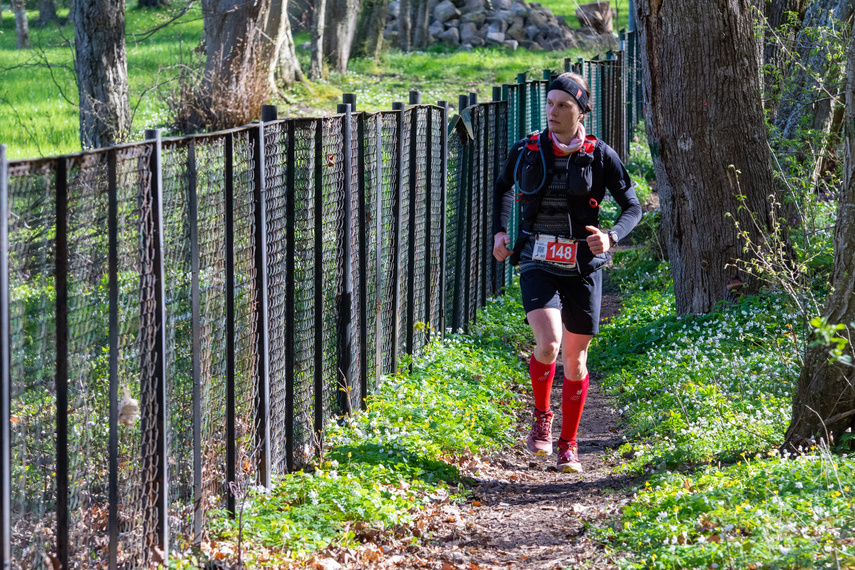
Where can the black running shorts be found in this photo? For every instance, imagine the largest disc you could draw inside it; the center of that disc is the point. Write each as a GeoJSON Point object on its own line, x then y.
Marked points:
{"type": "Point", "coordinates": [577, 297]}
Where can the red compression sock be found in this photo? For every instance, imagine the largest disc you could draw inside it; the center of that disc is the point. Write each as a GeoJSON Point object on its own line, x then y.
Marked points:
{"type": "Point", "coordinates": [541, 382]}
{"type": "Point", "coordinates": [573, 396]}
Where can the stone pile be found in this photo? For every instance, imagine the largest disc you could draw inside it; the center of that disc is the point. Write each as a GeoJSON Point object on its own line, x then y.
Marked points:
{"type": "Point", "coordinates": [474, 23]}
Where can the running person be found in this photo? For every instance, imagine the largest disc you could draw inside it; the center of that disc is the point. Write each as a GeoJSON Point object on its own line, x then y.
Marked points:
{"type": "Point", "coordinates": [562, 175]}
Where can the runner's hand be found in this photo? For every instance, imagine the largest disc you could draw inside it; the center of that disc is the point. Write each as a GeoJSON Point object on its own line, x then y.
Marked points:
{"type": "Point", "coordinates": [501, 241]}
{"type": "Point", "coordinates": [598, 241]}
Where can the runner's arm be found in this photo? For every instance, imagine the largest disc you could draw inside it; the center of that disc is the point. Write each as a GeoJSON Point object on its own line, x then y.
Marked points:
{"type": "Point", "coordinates": [619, 185]}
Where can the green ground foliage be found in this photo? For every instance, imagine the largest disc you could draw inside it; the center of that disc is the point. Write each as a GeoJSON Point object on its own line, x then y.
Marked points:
{"type": "Point", "coordinates": [706, 400]}
{"type": "Point", "coordinates": [382, 465]}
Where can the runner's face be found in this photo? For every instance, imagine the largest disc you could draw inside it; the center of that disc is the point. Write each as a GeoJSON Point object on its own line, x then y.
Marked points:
{"type": "Point", "coordinates": [562, 114]}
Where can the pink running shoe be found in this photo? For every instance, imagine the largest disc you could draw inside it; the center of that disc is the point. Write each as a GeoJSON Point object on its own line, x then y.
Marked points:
{"type": "Point", "coordinates": [568, 457]}
{"type": "Point", "coordinates": [540, 437]}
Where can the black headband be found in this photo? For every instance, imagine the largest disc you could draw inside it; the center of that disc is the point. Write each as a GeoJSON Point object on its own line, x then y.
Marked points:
{"type": "Point", "coordinates": [576, 91]}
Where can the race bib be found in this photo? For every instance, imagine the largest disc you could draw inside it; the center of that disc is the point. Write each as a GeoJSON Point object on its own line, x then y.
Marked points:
{"type": "Point", "coordinates": [555, 250]}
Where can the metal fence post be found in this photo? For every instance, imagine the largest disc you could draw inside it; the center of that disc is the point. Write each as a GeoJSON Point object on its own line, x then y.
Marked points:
{"type": "Point", "coordinates": [345, 301]}
{"type": "Point", "coordinates": [600, 111]}
{"type": "Point", "coordinates": [378, 249]}
{"type": "Point", "coordinates": [534, 103]}
{"type": "Point", "coordinates": [113, 445]}
{"type": "Point", "coordinates": [428, 217]}
{"type": "Point", "coordinates": [468, 182]}
{"type": "Point", "coordinates": [620, 106]}
{"type": "Point", "coordinates": [319, 278]}
{"type": "Point", "coordinates": [397, 194]}
{"type": "Point", "coordinates": [196, 325]}
{"type": "Point", "coordinates": [487, 259]}
{"type": "Point", "coordinates": [290, 252]}
{"type": "Point", "coordinates": [415, 97]}
{"type": "Point", "coordinates": [497, 267]}
{"type": "Point", "coordinates": [443, 141]}
{"type": "Point", "coordinates": [229, 214]}
{"type": "Point", "coordinates": [462, 102]}
{"type": "Point", "coordinates": [349, 98]}
{"type": "Point", "coordinates": [262, 403]}
{"type": "Point", "coordinates": [158, 381]}
{"type": "Point", "coordinates": [5, 372]}
{"type": "Point", "coordinates": [362, 224]}
{"type": "Point", "coordinates": [523, 128]}
{"type": "Point", "coordinates": [62, 515]}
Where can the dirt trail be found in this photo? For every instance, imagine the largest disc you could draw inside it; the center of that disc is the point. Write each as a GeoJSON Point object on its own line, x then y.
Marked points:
{"type": "Point", "coordinates": [522, 513]}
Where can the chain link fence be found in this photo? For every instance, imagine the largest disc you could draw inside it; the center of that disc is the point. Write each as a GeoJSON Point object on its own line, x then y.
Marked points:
{"type": "Point", "coordinates": [186, 314]}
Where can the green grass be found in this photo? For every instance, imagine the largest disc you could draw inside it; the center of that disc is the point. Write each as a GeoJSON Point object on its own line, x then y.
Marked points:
{"type": "Point", "coordinates": [38, 114]}
{"type": "Point", "coordinates": [439, 74]}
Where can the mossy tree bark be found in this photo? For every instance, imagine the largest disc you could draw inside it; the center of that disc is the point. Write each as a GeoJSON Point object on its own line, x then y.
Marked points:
{"type": "Point", "coordinates": [243, 46]}
{"type": "Point", "coordinates": [783, 19]}
{"type": "Point", "coordinates": [809, 91]}
{"type": "Point", "coordinates": [404, 25]}
{"type": "Point", "coordinates": [342, 16]}
{"type": "Point", "coordinates": [707, 135]}
{"type": "Point", "coordinates": [102, 71]}
{"type": "Point", "coordinates": [287, 70]}
{"type": "Point", "coordinates": [369, 30]}
{"type": "Point", "coordinates": [824, 402]}
{"type": "Point", "coordinates": [22, 25]}
{"type": "Point", "coordinates": [421, 35]}
{"type": "Point", "coordinates": [47, 13]}
{"type": "Point", "coordinates": [316, 66]}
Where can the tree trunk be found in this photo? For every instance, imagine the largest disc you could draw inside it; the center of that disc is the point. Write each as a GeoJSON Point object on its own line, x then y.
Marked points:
{"type": "Point", "coordinates": [102, 72]}
{"type": "Point", "coordinates": [369, 30]}
{"type": "Point", "coordinates": [404, 25]}
{"type": "Point", "coordinates": [421, 36]}
{"type": "Point", "coordinates": [237, 67]}
{"type": "Point", "coordinates": [783, 22]}
{"type": "Point", "coordinates": [824, 402]}
{"type": "Point", "coordinates": [809, 94]}
{"type": "Point", "coordinates": [707, 135]}
{"type": "Point", "coordinates": [152, 3]}
{"type": "Point", "coordinates": [22, 26]}
{"type": "Point", "coordinates": [341, 18]}
{"type": "Point", "coordinates": [286, 69]}
{"type": "Point", "coordinates": [316, 67]}
{"type": "Point", "coordinates": [47, 13]}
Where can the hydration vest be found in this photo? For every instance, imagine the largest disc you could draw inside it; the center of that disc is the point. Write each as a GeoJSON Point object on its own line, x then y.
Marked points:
{"type": "Point", "coordinates": [533, 174]}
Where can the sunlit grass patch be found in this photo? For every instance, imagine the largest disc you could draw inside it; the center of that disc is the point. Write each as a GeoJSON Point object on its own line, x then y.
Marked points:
{"type": "Point", "coordinates": [305, 512]}
{"type": "Point", "coordinates": [38, 90]}
{"type": "Point", "coordinates": [457, 397]}
{"type": "Point", "coordinates": [764, 512]}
